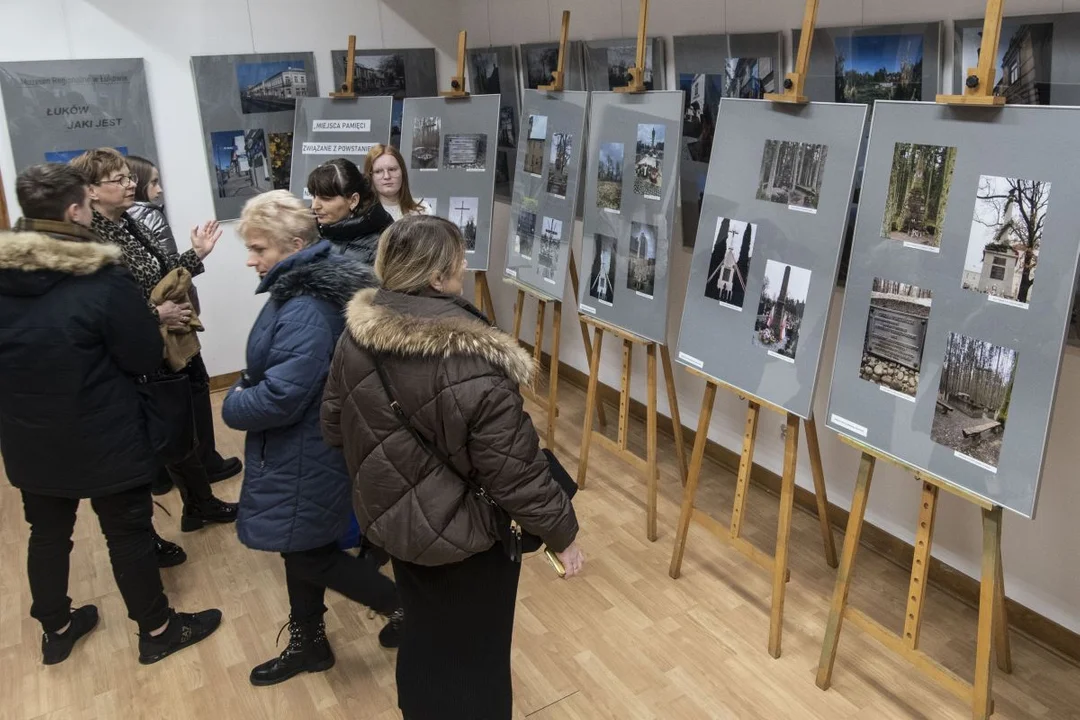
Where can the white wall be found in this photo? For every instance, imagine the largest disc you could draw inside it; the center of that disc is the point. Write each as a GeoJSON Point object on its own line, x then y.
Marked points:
{"type": "Point", "coordinates": [1039, 555]}
{"type": "Point", "coordinates": [166, 35]}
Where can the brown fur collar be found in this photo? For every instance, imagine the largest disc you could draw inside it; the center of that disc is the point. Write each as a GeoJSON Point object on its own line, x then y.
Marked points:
{"type": "Point", "coordinates": [31, 252]}
{"type": "Point", "coordinates": [384, 329]}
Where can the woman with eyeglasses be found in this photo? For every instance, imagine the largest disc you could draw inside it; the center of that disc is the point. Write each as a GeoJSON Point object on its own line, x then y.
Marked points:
{"type": "Point", "coordinates": [112, 193]}
{"type": "Point", "coordinates": [385, 170]}
{"type": "Point", "coordinates": [348, 212]}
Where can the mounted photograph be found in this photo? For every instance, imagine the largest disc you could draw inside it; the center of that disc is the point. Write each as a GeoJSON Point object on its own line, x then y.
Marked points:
{"type": "Point", "coordinates": [649, 163]}
{"type": "Point", "coordinates": [465, 152]}
{"type": "Point", "coordinates": [918, 196]}
{"type": "Point", "coordinates": [620, 59]}
{"type": "Point", "coordinates": [641, 272]}
{"type": "Point", "coordinates": [427, 133]}
{"type": "Point", "coordinates": [540, 64]}
{"type": "Point", "coordinates": [271, 86]}
{"type": "Point", "coordinates": [281, 145]}
{"type": "Point", "coordinates": [879, 67]}
{"type": "Point", "coordinates": [780, 309]}
{"type": "Point", "coordinates": [534, 145]}
{"type": "Point", "coordinates": [729, 264]}
{"type": "Point", "coordinates": [562, 146]}
{"type": "Point", "coordinates": [895, 336]}
{"type": "Point", "coordinates": [602, 274]}
{"type": "Point", "coordinates": [550, 240]}
{"type": "Point", "coordinates": [1006, 235]}
{"type": "Point", "coordinates": [609, 177]}
{"type": "Point", "coordinates": [1024, 57]}
{"type": "Point", "coordinates": [526, 232]}
{"type": "Point", "coordinates": [241, 163]}
{"type": "Point", "coordinates": [507, 127]}
{"type": "Point", "coordinates": [379, 75]}
{"type": "Point", "coordinates": [464, 212]}
{"type": "Point", "coordinates": [485, 74]}
{"type": "Point", "coordinates": [973, 399]}
{"type": "Point", "coordinates": [791, 174]}
{"type": "Point", "coordinates": [701, 100]}
{"type": "Point", "coordinates": [749, 78]}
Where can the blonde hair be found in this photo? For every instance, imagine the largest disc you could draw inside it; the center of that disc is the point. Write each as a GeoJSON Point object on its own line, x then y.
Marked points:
{"type": "Point", "coordinates": [405, 198]}
{"type": "Point", "coordinates": [278, 216]}
{"type": "Point", "coordinates": [416, 249]}
{"type": "Point", "coordinates": [99, 164]}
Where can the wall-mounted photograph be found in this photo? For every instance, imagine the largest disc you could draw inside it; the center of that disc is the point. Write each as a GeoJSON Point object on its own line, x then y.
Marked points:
{"type": "Point", "coordinates": [780, 309]}
{"type": "Point", "coordinates": [879, 67]}
{"type": "Point", "coordinates": [641, 273]}
{"type": "Point", "coordinates": [427, 133]}
{"type": "Point", "coordinates": [562, 146]}
{"type": "Point", "coordinates": [602, 274]}
{"type": "Point", "coordinates": [919, 185]}
{"type": "Point", "coordinates": [749, 78]}
{"type": "Point", "coordinates": [485, 73]}
{"type": "Point", "coordinates": [701, 99]}
{"type": "Point", "coordinates": [649, 163]}
{"type": "Point", "coordinates": [620, 59]}
{"type": "Point", "coordinates": [1023, 62]}
{"type": "Point", "coordinates": [534, 146]}
{"type": "Point", "coordinates": [729, 264]}
{"type": "Point", "coordinates": [540, 63]}
{"type": "Point", "coordinates": [507, 127]}
{"type": "Point", "coordinates": [272, 86]}
{"type": "Point", "coordinates": [895, 335]}
{"type": "Point", "coordinates": [610, 177]}
{"type": "Point", "coordinates": [241, 163]}
{"type": "Point", "coordinates": [465, 152]}
{"type": "Point", "coordinates": [526, 231]}
{"type": "Point", "coordinates": [399, 73]}
{"type": "Point", "coordinates": [281, 145]}
{"type": "Point", "coordinates": [791, 174]}
{"type": "Point", "coordinates": [549, 248]}
{"type": "Point", "coordinates": [464, 212]}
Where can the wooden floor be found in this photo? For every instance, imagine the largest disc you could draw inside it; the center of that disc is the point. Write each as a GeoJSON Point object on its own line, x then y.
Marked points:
{"type": "Point", "coordinates": [622, 641]}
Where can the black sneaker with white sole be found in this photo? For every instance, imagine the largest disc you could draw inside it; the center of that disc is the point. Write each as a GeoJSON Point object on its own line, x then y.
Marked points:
{"type": "Point", "coordinates": [184, 630]}
{"type": "Point", "coordinates": [56, 647]}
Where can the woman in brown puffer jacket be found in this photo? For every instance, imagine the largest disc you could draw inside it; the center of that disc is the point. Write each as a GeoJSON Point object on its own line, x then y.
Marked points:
{"type": "Point", "coordinates": [456, 377]}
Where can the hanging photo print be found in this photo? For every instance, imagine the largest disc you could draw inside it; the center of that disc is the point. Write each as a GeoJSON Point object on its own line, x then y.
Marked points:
{"type": "Point", "coordinates": [879, 67]}
{"type": "Point", "coordinates": [395, 73]}
{"type": "Point", "coordinates": [729, 264]}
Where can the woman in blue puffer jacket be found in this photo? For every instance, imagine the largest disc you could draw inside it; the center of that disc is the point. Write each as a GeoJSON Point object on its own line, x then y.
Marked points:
{"type": "Point", "coordinates": [296, 496]}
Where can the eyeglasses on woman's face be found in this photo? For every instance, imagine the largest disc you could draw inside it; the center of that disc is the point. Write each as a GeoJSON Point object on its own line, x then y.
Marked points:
{"type": "Point", "coordinates": [391, 171]}
{"type": "Point", "coordinates": [122, 181]}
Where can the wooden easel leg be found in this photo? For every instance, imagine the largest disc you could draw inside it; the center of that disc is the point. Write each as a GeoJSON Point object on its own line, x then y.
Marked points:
{"type": "Point", "coordinates": [651, 444]}
{"type": "Point", "coordinates": [821, 494]}
{"type": "Point", "coordinates": [746, 464]}
{"type": "Point", "coordinates": [920, 566]}
{"type": "Point", "coordinates": [692, 477]}
{"type": "Point", "coordinates": [984, 648]}
{"type": "Point", "coordinates": [479, 279]}
{"type": "Point", "coordinates": [553, 374]}
{"type": "Point", "coordinates": [844, 575]}
{"type": "Point", "coordinates": [519, 310]}
{"type": "Point", "coordinates": [673, 407]}
{"type": "Point", "coordinates": [490, 312]}
{"type": "Point", "coordinates": [783, 535]}
{"type": "Point", "coordinates": [624, 393]}
{"type": "Point", "coordinates": [590, 405]}
{"type": "Point", "coordinates": [601, 414]}
{"type": "Point", "coordinates": [538, 342]}
{"type": "Point", "coordinates": [1002, 646]}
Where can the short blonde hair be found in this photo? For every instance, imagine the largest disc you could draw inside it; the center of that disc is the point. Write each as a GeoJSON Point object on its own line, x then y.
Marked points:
{"type": "Point", "coordinates": [99, 164]}
{"type": "Point", "coordinates": [416, 249]}
{"type": "Point", "coordinates": [279, 216]}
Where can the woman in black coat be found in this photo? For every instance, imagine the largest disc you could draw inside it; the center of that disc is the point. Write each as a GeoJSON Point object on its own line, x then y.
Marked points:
{"type": "Point", "coordinates": [349, 212]}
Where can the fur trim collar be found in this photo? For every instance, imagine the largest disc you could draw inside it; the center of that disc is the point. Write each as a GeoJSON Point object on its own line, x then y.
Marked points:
{"type": "Point", "coordinates": [331, 279]}
{"type": "Point", "coordinates": [384, 329]}
{"type": "Point", "coordinates": [32, 252]}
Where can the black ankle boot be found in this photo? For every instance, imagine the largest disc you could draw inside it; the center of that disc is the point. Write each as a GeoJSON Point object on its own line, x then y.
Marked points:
{"type": "Point", "coordinates": [168, 554]}
{"type": "Point", "coordinates": [308, 651]}
{"type": "Point", "coordinates": [201, 513]}
{"type": "Point", "coordinates": [390, 636]}
{"type": "Point", "coordinates": [183, 630]}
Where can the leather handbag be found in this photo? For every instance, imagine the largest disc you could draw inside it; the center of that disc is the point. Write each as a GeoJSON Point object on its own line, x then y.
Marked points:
{"type": "Point", "coordinates": [168, 413]}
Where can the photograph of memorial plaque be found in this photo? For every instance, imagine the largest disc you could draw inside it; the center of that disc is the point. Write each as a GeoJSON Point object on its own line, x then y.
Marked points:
{"type": "Point", "coordinates": [242, 163]}
{"type": "Point", "coordinates": [425, 143]}
{"type": "Point", "coordinates": [791, 174]}
{"type": "Point", "coordinates": [271, 86]}
{"type": "Point", "coordinates": [526, 232]}
{"type": "Point", "coordinates": [918, 194]}
{"type": "Point", "coordinates": [641, 271]}
{"type": "Point", "coordinates": [729, 263]}
{"type": "Point", "coordinates": [780, 309]}
{"type": "Point", "coordinates": [609, 177]}
{"type": "Point", "coordinates": [534, 145]}
{"type": "Point", "coordinates": [1006, 235]}
{"type": "Point", "coordinates": [608, 63]}
{"type": "Point", "coordinates": [465, 152]}
{"type": "Point", "coordinates": [281, 148]}
{"type": "Point", "coordinates": [895, 336]}
{"type": "Point", "coordinates": [649, 163]}
{"type": "Point", "coordinates": [397, 73]}
{"type": "Point", "coordinates": [602, 275]}
{"type": "Point", "coordinates": [464, 213]}
{"type": "Point", "coordinates": [540, 60]}
{"type": "Point", "coordinates": [562, 146]}
{"type": "Point", "coordinates": [1024, 59]}
{"type": "Point", "coordinates": [973, 398]}
{"type": "Point", "coordinates": [550, 240]}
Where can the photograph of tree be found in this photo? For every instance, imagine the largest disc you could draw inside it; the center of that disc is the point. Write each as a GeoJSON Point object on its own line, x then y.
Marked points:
{"type": "Point", "coordinates": [919, 185]}
{"type": "Point", "coordinates": [973, 398]}
{"type": "Point", "coordinates": [281, 159]}
{"type": "Point", "coordinates": [621, 59]}
{"type": "Point", "coordinates": [895, 335]}
{"type": "Point", "coordinates": [465, 152]}
{"type": "Point", "coordinates": [271, 86]}
{"type": "Point", "coordinates": [485, 74]}
{"type": "Point", "coordinates": [602, 275]}
{"type": "Point", "coordinates": [729, 264]}
{"type": "Point", "coordinates": [649, 165]}
{"type": "Point", "coordinates": [241, 163]}
{"type": "Point", "coordinates": [1006, 234]}
{"type": "Point", "coordinates": [463, 213]}
{"type": "Point", "coordinates": [749, 78]}
{"type": "Point", "coordinates": [549, 248]}
{"type": "Point", "coordinates": [641, 275]}
{"type": "Point", "coordinates": [791, 173]}
{"type": "Point", "coordinates": [540, 63]}
{"type": "Point", "coordinates": [507, 127]}
{"type": "Point", "coordinates": [1023, 62]}
{"type": "Point", "coordinates": [534, 146]}
{"type": "Point", "coordinates": [609, 177]}
{"type": "Point", "coordinates": [701, 99]}
{"type": "Point", "coordinates": [426, 136]}
{"type": "Point", "coordinates": [562, 146]}
{"type": "Point", "coordinates": [526, 231]}
{"type": "Point", "coordinates": [879, 67]}
{"type": "Point", "coordinates": [780, 308]}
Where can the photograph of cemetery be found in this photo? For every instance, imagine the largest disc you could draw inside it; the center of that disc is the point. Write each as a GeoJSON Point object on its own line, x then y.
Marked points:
{"type": "Point", "coordinates": [919, 185]}
{"type": "Point", "coordinates": [562, 146]}
{"type": "Point", "coordinates": [526, 231]}
{"type": "Point", "coordinates": [701, 100]}
{"type": "Point", "coordinates": [602, 274]}
{"type": "Point", "coordinates": [879, 67]}
{"type": "Point", "coordinates": [427, 133]}
{"type": "Point", "coordinates": [271, 86]}
{"type": "Point", "coordinates": [781, 307]}
{"type": "Point", "coordinates": [641, 274]}
{"type": "Point", "coordinates": [463, 213]}
{"type": "Point", "coordinates": [1006, 235]}
{"type": "Point", "coordinates": [1024, 60]}
{"type": "Point", "coordinates": [895, 335]}
{"type": "Point", "coordinates": [465, 152]}
{"type": "Point", "coordinates": [791, 173]}
{"type": "Point", "coordinates": [550, 239]}
{"type": "Point", "coordinates": [729, 264]}
{"type": "Point", "coordinates": [534, 145]}
{"type": "Point", "coordinates": [609, 177]}
{"type": "Point", "coordinates": [973, 398]}
{"type": "Point", "coordinates": [649, 163]}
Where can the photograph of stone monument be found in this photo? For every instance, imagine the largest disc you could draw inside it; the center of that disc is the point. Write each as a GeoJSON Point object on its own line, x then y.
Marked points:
{"type": "Point", "coordinates": [919, 185]}
{"type": "Point", "coordinates": [534, 145]}
{"type": "Point", "coordinates": [602, 274]}
{"type": "Point", "coordinates": [780, 309]}
{"type": "Point", "coordinates": [791, 173]}
{"type": "Point", "coordinates": [427, 133]}
{"type": "Point", "coordinates": [641, 272]}
{"type": "Point", "coordinates": [895, 335]}
{"type": "Point", "coordinates": [464, 212]}
{"type": "Point", "coordinates": [562, 147]}
{"type": "Point", "coordinates": [729, 264]}
{"type": "Point", "coordinates": [1023, 65]}
{"type": "Point", "coordinates": [465, 152]}
{"type": "Point", "coordinates": [609, 177]}
{"type": "Point", "coordinates": [879, 67]}
{"type": "Point", "coordinates": [649, 163]}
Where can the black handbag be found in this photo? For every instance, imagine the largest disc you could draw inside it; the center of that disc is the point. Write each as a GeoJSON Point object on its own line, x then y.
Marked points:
{"type": "Point", "coordinates": [514, 540]}
{"type": "Point", "coordinates": [167, 411]}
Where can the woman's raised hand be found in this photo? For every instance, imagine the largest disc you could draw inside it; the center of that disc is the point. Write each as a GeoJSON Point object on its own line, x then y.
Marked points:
{"type": "Point", "coordinates": [204, 237]}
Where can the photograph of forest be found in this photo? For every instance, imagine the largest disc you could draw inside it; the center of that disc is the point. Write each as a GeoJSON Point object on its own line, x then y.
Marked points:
{"type": "Point", "coordinates": [895, 335]}
{"type": "Point", "coordinates": [780, 308]}
{"type": "Point", "coordinates": [973, 398]}
{"type": "Point", "coordinates": [879, 67]}
{"type": "Point", "coordinates": [1006, 235]}
{"type": "Point", "coordinates": [729, 264]}
{"type": "Point", "coordinates": [791, 173]}
{"type": "Point", "coordinates": [919, 185]}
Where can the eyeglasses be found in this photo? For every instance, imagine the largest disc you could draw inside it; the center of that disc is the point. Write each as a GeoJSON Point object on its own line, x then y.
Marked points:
{"type": "Point", "coordinates": [122, 181]}
{"type": "Point", "coordinates": [383, 172]}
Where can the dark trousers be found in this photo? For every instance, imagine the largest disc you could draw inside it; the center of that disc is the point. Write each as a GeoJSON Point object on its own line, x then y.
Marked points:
{"type": "Point", "coordinates": [309, 573]}
{"type": "Point", "coordinates": [125, 519]}
{"type": "Point", "coordinates": [190, 474]}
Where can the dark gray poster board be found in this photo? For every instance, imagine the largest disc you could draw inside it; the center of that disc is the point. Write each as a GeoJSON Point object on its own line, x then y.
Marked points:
{"type": "Point", "coordinates": [449, 145]}
{"type": "Point", "coordinates": [541, 232]}
{"type": "Point", "coordinates": [707, 68]}
{"type": "Point", "coordinates": [399, 73]}
{"type": "Point", "coordinates": [57, 109]}
{"type": "Point", "coordinates": [494, 71]}
{"type": "Point", "coordinates": [247, 105]}
{"type": "Point", "coordinates": [764, 266]}
{"type": "Point", "coordinates": [631, 179]}
{"type": "Point", "coordinates": [328, 128]}
{"type": "Point", "coordinates": [539, 60]}
{"type": "Point", "coordinates": [957, 302]}
{"type": "Point", "coordinates": [607, 63]}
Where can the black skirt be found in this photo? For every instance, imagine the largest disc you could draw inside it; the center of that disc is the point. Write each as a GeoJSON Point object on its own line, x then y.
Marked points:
{"type": "Point", "coordinates": [454, 659]}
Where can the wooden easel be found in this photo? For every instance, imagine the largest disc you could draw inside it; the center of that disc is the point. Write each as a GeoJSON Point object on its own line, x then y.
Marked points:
{"type": "Point", "coordinates": [347, 88]}
{"type": "Point", "coordinates": [558, 78]}
{"type": "Point", "coordinates": [636, 83]}
{"type": "Point", "coordinates": [993, 630]}
{"type": "Point", "coordinates": [5, 218]}
{"type": "Point", "coordinates": [649, 465]}
{"type": "Point", "coordinates": [795, 82]}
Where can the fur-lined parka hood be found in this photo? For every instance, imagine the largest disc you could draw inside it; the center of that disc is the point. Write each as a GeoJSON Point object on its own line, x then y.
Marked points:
{"type": "Point", "coordinates": [36, 252]}
{"type": "Point", "coordinates": [316, 272]}
{"type": "Point", "coordinates": [431, 326]}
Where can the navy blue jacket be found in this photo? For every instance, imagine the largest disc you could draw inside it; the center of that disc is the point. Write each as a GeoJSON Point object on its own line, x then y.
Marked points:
{"type": "Point", "coordinates": [296, 493]}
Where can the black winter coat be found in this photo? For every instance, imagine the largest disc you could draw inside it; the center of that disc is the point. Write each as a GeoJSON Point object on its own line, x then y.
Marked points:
{"type": "Point", "coordinates": [357, 237]}
{"type": "Point", "coordinates": [74, 330]}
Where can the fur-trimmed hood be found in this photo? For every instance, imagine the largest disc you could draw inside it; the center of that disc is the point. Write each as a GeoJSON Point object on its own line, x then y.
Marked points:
{"type": "Point", "coordinates": [431, 327]}
{"type": "Point", "coordinates": [36, 252]}
{"type": "Point", "coordinates": [315, 272]}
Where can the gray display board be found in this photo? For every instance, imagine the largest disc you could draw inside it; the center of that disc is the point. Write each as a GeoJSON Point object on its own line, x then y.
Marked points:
{"type": "Point", "coordinates": [957, 209]}
{"type": "Point", "coordinates": [328, 128]}
{"type": "Point", "coordinates": [631, 180]}
{"type": "Point", "coordinates": [399, 73]}
{"type": "Point", "coordinates": [494, 71]}
{"type": "Point", "coordinates": [449, 145]}
{"type": "Point", "coordinates": [57, 109]}
{"type": "Point", "coordinates": [540, 60]}
{"type": "Point", "coordinates": [542, 214]}
{"type": "Point", "coordinates": [707, 68]}
{"type": "Point", "coordinates": [607, 63]}
{"type": "Point", "coordinates": [764, 266]}
{"type": "Point", "coordinates": [247, 105]}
